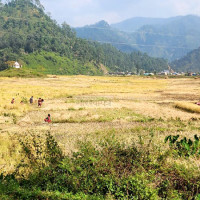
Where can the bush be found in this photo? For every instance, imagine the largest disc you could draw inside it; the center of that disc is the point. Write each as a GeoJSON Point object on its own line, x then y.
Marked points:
{"type": "Point", "coordinates": [184, 147]}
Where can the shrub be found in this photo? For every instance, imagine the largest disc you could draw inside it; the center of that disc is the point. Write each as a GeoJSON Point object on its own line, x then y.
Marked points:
{"type": "Point", "coordinates": [184, 147]}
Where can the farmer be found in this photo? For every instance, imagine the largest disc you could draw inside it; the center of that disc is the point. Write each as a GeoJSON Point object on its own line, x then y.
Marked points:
{"type": "Point", "coordinates": [31, 100]}
{"type": "Point", "coordinates": [13, 101]}
{"type": "Point", "coordinates": [48, 119]}
{"type": "Point", "coordinates": [40, 102]}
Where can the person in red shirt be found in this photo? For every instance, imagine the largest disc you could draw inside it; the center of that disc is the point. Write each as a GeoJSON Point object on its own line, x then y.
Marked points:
{"type": "Point", "coordinates": [48, 119]}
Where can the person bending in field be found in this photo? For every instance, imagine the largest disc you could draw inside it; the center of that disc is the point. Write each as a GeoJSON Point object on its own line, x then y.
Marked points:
{"type": "Point", "coordinates": [198, 103]}
{"type": "Point", "coordinates": [48, 119]}
{"type": "Point", "coordinates": [13, 101]}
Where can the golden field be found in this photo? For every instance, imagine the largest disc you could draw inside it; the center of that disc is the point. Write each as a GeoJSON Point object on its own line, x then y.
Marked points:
{"type": "Point", "coordinates": [88, 108]}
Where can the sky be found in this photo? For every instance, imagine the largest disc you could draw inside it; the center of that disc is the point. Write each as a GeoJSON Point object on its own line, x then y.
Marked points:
{"type": "Point", "coordinates": [85, 12]}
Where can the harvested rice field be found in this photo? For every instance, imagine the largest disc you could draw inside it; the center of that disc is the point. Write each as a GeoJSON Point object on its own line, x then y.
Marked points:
{"type": "Point", "coordinates": [86, 108]}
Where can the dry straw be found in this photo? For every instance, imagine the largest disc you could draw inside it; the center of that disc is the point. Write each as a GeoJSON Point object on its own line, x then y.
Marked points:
{"type": "Point", "coordinates": [187, 106]}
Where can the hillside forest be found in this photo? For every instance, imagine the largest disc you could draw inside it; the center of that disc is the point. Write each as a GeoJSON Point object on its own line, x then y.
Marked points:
{"type": "Point", "coordinates": [30, 36]}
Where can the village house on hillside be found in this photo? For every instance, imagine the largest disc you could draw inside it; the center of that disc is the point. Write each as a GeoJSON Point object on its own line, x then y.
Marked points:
{"type": "Point", "coordinates": [17, 65]}
{"type": "Point", "coordinates": [14, 64]}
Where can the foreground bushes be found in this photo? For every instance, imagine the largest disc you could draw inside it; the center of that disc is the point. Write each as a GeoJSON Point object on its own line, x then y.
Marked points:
{"type": "Point", "coordinates": [108, 171]}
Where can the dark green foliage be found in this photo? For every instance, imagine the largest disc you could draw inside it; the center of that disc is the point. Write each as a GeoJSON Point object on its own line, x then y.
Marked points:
{"type": "Point", "coordinates": [184, 147]}
{"type": "Point", "coordinates": [172, 139]}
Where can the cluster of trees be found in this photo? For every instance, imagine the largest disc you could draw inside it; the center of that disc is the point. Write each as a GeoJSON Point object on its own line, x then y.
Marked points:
{"type": "Point", "coordinates": [26, 29]}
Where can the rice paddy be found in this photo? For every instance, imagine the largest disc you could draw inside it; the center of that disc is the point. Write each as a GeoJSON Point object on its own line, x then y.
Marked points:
{"type": "Point", "coordinates": [88, 108]}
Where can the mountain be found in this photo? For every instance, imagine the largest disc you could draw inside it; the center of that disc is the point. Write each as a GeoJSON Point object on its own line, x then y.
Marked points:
{"type": "Point", "coordinates": [170, 38]}
{"type": "Point", "coordinates": [133, 24]}
{"type": "Point", "coordinates": [30, 36]}
{"type": "Point", "coordinates": [104, 33]}
{"type": "Point", "coordinates": [189, 63]}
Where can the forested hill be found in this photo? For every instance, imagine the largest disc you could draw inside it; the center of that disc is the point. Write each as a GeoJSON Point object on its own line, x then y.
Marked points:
{"type": "Point", "coordinates": [189, 63]}
{"type": "Point", "coordinates": [30, 36]}
{"type": "Point", "coordinates": [104, 33]}
{"type": "Point", "coordinates": [170, 38]}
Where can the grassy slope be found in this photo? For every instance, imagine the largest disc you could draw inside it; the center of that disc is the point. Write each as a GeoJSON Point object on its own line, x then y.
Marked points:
{"type": "Point", "coordinates": [52, 63]}
{"type": "Point", "coordinates": [25, 73]}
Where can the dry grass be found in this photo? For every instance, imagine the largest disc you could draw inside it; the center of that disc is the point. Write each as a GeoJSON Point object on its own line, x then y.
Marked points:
{"type": "Point", "coordinates": [189, 107]}
{"type": "Point", "coordinates": [9, 152]}
{"type": "Point", "coordinates": [88, 108]}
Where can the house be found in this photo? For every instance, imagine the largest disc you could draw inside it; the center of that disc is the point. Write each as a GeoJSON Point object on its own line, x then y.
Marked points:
{"type": "Point", "coordinates": [17, 65]}
{"type": "Point", "coordinates": [165, 73]}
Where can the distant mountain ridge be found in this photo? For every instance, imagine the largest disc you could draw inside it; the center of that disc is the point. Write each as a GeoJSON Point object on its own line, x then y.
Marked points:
{"type": "Point", "coordinates": [169, 38]}
{"type": "Point", "coordinates": [135, 23]}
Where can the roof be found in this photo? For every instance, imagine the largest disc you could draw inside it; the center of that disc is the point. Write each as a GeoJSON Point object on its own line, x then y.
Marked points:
{"type": "Point", "coordinates": [16, 63]}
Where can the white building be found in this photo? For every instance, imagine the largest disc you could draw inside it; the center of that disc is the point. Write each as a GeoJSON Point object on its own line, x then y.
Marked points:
{"type": "Point", "coordinates": [17, 65]}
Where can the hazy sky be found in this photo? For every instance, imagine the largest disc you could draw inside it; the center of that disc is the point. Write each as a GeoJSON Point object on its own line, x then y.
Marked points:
{"type": "Point", "coordinates": [82, 12]}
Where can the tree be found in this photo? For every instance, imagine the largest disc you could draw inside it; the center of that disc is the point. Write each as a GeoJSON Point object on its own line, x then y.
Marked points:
{"type": "Point", "coordinates": [68, 31]}
{"type": "Point", "coordinates": [38, 3]}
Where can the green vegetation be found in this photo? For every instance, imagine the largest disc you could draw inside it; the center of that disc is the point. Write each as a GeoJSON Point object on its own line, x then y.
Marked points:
{"type": "Point", "coordinates": [31, 37]}
{"type": "Point", "coordinates": [184, 147]}
{"type": "Point", "coordinates": [104, 115]}
{"type": "Point", "coordinates": [53, 63]}
{"type": "Point", "coordinates": [22, 72]}
{"type": "Point", "coordinates": [109, 170]}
